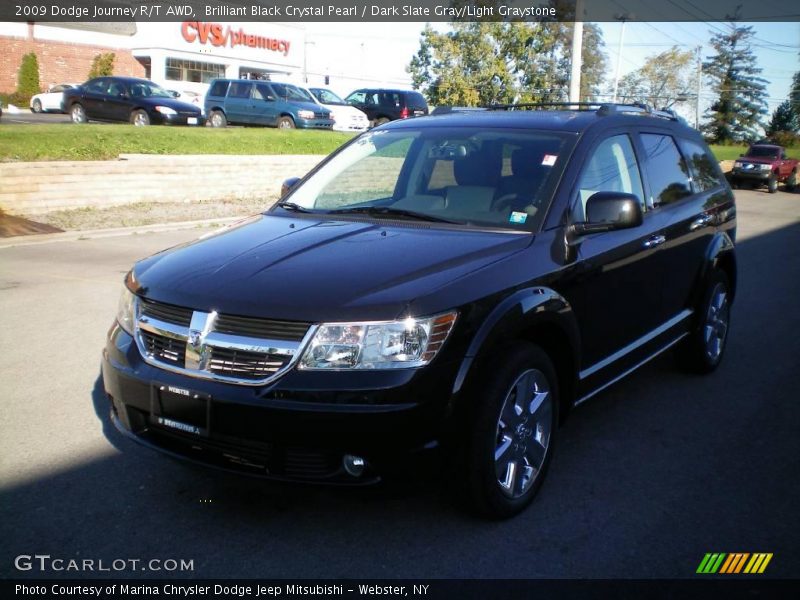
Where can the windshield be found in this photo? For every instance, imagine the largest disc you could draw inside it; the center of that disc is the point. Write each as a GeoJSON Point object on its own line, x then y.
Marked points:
{"type": "Point", "coordinates": [762, 152]}
{"type": "Point", "coordinates": [472, 176]}
{"type": "Point", "coordinates": [291, 92]}
{"type": "Point", "coordinates": [146, 89]}
{"type": "Point", "coordinates": [327, 97]}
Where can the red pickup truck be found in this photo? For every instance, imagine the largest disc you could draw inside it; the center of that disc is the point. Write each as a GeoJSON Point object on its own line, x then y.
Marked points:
{"type": "Point", "coordinates": [765, 164]}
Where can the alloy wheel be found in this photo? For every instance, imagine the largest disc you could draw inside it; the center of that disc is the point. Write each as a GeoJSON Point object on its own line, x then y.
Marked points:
{"type": "Point", "coordinates": [715, 329]}
{"type": "Point", "coordinates": [523, 433]}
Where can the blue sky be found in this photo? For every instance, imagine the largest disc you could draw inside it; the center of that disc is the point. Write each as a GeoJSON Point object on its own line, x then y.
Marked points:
{"type": "Point", "coordinates": [382, 50]}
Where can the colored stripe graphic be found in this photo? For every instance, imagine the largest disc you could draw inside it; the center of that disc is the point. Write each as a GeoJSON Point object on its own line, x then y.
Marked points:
{"type": "Point", "coordinates": [734, 563]}
{"type": "Point", "coordinates": [758, 563]}
{"type": "Point", "coordinates": [711, 562]}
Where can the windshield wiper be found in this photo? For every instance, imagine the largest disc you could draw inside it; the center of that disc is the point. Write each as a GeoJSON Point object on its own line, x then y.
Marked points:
{"type": "Point", "coordinates": [388, 211]}
{"type": "Point", "coordinates": [293, 206]}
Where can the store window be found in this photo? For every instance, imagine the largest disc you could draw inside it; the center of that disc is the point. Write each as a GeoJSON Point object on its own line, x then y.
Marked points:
{"type": "Point", "coordinates": [192, 70]}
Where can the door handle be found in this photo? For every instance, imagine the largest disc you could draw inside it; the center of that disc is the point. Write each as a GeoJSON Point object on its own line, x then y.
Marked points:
{"type": "Point", "coordinates": [654, 240]}
{"type": "Point", "coordinates": [701, 221]}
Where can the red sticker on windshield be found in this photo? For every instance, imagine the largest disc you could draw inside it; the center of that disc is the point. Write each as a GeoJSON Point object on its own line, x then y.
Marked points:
{"type": "Point", "coordinates": [549, 160]}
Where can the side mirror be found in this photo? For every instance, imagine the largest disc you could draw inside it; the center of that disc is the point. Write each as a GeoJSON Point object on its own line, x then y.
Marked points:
{"type": "Point", "coordinates": [609, 211]}
{"type": "Point", "coordinates": [288, 184]}
{"type": "Point", "coordinates": [174, 93]}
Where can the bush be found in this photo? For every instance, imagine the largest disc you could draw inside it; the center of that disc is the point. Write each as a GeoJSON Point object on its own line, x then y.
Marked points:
{"type": "Point", "coordinates": [102, 65]}
{"type": "Point", "coordinates": [787, 139]}
{"type": "Point", "coordinates": [28, 79]}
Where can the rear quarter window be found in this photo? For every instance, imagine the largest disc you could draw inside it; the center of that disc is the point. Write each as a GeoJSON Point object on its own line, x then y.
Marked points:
{"type": "Point", "coordinates": [704, 168]}
{"type": "Point", "coordinates": [416, 100]}
{"type": "Point", "coordinates": [219, 89]}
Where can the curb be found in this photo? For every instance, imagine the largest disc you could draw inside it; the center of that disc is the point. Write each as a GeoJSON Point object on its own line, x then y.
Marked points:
{"type": "Point", "coordinates": [91, 234]}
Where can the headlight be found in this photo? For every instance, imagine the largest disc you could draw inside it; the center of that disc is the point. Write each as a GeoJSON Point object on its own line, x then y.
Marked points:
{"type": "Point", "coordinates": [765, 167]}
{"type": "Point", "coordinates": [166, 110]}
{"type": "Point", "coordinates": [305, 114]}
{"type": "Point", "coordinates": [387, 345]}
{"type": "Point", "coordinates": [126, 310]}
{"type": "Point", "coordinates": [738, 164]}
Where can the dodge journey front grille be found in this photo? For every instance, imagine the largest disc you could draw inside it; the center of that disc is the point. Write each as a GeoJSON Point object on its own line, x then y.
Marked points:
{"type": "Point", "coordinates": [209, 345]}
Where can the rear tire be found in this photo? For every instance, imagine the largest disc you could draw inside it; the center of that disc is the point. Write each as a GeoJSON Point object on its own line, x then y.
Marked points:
{"type": "Point", "coordinates": [285, 123]}
{"type": "Point", "coordinates": [217, 119]}
{"type": "Point", "coordinates": [702, 350]}
{"type": "Point", "coordinates": [380, 121]}
{"type": "Point", "coordinates": [77, 114]}
{"type": "Point", "coordinates": [511, 431]}
{"type": "Point", "coordinates": [791, 182]}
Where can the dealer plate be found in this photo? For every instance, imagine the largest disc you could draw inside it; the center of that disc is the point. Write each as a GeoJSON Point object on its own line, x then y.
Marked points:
{"type": "Point", "coordinates": [192, 120]}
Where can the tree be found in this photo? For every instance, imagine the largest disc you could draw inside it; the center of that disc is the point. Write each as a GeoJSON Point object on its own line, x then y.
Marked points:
{"type": "Point", "coordinates": [783, 119]}
{"type": "Point", "coordinates": [663, 80]}
{"type": "Point", "coordinates": [102, 65]}
{"type": "Point", "coordinates": [481, 63]}
{"type": "Point", "coordinates": [741, 104]}
{"type": "Point", "coordinates": [28, 77]}
{"type": "Point", "coordinates": [794, 94]}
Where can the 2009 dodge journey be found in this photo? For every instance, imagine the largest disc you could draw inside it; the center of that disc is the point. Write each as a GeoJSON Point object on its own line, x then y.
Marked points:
{"type": "Point", "coordinates": [458, 281]}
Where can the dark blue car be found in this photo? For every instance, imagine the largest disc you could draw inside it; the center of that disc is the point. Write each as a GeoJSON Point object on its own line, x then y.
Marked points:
{"type": "Point", "coordinates": [128, 99]}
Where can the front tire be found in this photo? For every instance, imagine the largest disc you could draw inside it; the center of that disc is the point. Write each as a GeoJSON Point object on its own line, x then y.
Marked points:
{"type": "Point", "coordinates": [772, 183]}
{"type": "Point", "coordinates": [77, 114]}
{"type": "Point", "coordinates": [37, 106]}
{"type": "Point", "coordinates": [512, 431]}
{"type": "Point", "coordinates": [285, 123]}
{"type": "Point", "coordinates": [702, 351]}
{"type": "Point", "coordinates": [140, 118]}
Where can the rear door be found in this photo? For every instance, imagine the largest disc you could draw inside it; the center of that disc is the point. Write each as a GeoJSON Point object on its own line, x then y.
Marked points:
{"type": "Point", "coordinates": [94, 96]}
{"type": "Point", "coordinates": [238, 104]}
{"type": "Point", "coordinates": [687, 192]}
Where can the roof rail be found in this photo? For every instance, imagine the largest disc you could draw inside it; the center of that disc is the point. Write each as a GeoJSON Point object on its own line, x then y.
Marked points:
{"type": "Point", "coordinates": [601, 108]}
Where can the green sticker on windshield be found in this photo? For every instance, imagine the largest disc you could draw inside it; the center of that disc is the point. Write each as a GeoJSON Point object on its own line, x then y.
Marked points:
{"type": "Point", "coordinates": [518, 217]}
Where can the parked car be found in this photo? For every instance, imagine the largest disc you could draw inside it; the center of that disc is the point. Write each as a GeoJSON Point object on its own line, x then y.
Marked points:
{"type": "Point", "coordinates": [457, 282]}
{"type": "Point", "coordinates": [188, 96]}
{"type": "Point", "coordinates": [765, 164]}
{"type": "Point", "coordinates": [51, 99]}
{"type": "Point", "coordinates": [272, 104]}
{"type": "Point", "coordinates": [345, 117]}
{"type": "Point", "coordinates": [382, 106]}
{"type": "Point", "coordinates": [138, 101]}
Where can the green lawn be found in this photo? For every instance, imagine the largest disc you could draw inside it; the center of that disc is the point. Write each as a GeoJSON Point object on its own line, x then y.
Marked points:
{"type": "Point", "coordinates": [732, 152]}
{"type": "Point", "coordinates": [66, 141]}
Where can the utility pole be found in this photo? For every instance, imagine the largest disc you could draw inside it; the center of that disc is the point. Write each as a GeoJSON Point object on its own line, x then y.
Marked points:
{"type": "Point", "coordinates": [699, 87]}
{"type": "Point", "coordinates": [577, 49]}
{"type": "Point", "coordinates": [624, 19]}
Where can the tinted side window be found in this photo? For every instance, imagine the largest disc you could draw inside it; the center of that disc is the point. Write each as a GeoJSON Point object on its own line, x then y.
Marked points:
{"type": "Point", "coordinates": [356, 98]}
{"type": "Point", "coordinates": [666, 170]}
{"type": "Point", "coordinates": [263, 92]}
{"type": "Point", "coordinates": [703, 166]}
{"type": "Point", "coordinates": [240, 89]}
{"type": "Point", "coordinates": [612, 167]}
{"type": "Point", "coordinates": [98, 86]}
{"type": "Point", "coordinates": [219, 89]}
{"type": "Point", "coordinates": [416, 100]}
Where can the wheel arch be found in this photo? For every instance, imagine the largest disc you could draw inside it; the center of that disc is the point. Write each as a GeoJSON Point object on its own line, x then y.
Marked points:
{"type": "Point", "coordinates": [721, 255]}
{"type": "Point", "coordinates": [538, 315]}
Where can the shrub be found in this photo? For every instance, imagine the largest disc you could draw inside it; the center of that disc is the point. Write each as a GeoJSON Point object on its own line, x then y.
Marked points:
{"type": "Point", "coordinates": [102, 65]}
{"type": "Point", "coordinates": [27, 79]}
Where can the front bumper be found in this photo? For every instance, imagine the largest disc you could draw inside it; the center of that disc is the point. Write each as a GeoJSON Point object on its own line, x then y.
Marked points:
{"type": "Point", "coordinates": [313, 123]}
{"type": "Point", "coordinates": [181, 119]}
{"type": "Point", "coordinates": [751, 174]}
{"type": "Point", "coordinates": [297, 428]}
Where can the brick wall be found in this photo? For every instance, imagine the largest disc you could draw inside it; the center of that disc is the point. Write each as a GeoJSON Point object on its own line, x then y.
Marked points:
{"type": "Point", "coordinates": [59, 62]}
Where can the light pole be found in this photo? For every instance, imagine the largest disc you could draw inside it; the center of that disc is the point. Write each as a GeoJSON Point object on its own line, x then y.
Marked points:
{"type": "Point", "coordinates": [624, 19]}
{"type": "Point", "coordinates": [577, 51]}
{"type": "Point", "coordinates": [306, 44]}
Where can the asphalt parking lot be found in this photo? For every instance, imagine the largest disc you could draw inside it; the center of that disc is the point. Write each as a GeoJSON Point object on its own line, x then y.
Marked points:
{"type": "Point", "coordinates": [648, 477]}
{"type": "Point", "coordinates": [26, 117]}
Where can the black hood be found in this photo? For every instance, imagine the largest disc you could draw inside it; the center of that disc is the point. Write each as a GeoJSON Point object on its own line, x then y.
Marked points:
{"type": "Point", "coordinates": [318, 269]}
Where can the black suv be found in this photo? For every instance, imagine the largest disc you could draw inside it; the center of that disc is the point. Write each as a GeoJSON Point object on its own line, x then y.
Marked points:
{"type": "Point", "coordinates": [457, 281]}
{"type": "Point", "coordinates": [382, 106]}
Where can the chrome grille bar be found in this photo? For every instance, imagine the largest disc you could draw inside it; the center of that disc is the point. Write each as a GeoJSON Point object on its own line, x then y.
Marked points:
{"type": "Point", "coordinates": [198, 350]}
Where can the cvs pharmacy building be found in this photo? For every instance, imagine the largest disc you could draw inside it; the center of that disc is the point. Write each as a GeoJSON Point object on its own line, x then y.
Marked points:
{"type": "Point", "coordinates": [183, 56]}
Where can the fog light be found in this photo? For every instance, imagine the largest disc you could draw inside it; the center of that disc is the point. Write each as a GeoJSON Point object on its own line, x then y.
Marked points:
{"type": "Point", "coordinates": [354, 465]}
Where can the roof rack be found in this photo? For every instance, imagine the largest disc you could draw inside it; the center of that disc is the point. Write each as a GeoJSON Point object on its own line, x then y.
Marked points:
{"type": "Point", "coordinates": [601, 108]}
